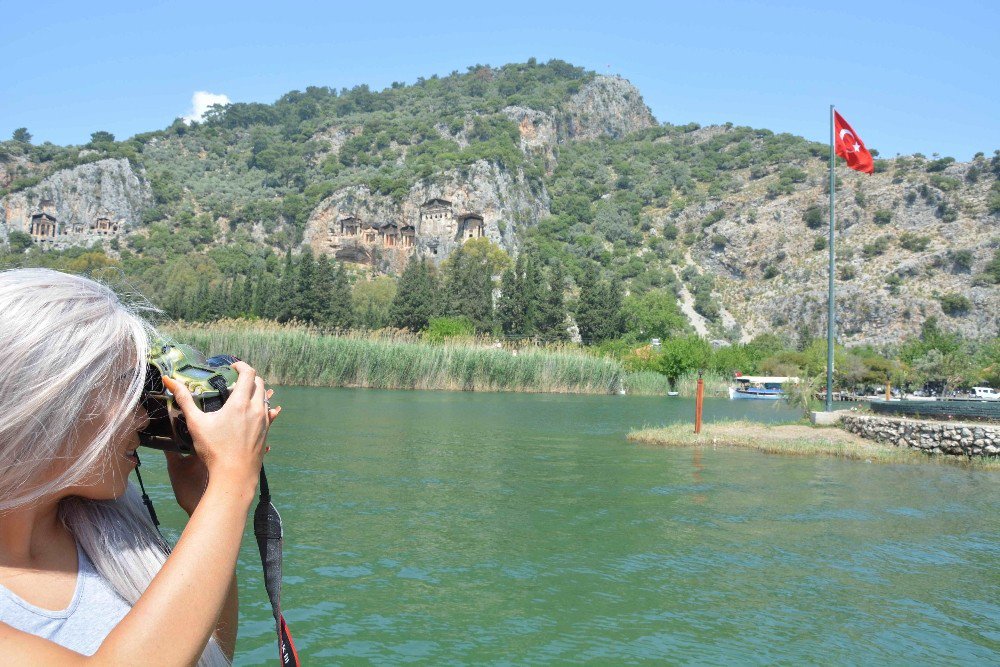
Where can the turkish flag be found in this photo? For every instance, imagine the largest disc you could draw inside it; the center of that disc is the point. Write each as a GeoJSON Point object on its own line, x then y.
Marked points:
{"type": "Point", "coordinates": [849, 146]}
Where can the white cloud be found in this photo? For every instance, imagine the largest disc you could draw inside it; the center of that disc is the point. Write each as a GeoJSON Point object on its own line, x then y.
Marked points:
{"type": "Point", "coordinates": [200, 102]}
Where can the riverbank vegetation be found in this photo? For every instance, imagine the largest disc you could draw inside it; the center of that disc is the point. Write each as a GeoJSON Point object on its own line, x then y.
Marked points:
{"type": "Point", "coordinates": [795, 440]}
{"type": "Point", "coordinates": [299, 355]}
{"type": "Point", "coordinates": [481, 292]}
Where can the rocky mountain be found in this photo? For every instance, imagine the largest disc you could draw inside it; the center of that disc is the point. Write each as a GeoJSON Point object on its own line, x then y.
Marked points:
{"type": "Point", "coordinates": [732, 219]}
{"type": "Point", "coordinates": [79, 206]}
{"type": "Point", "coordinates": [910, 244]}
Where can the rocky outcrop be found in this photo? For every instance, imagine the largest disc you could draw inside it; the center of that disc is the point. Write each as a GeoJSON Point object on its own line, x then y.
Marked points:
{"type": "Point", "coordinates": [607, 105]}
{"type": "Point", "coordinates": [955, 438]}
{"type": "Point", "coordinates": [357, 224]}
{"type": "Point", "coordinates": [604, 106]}
{"type": "Point", "coordinates": [85, 203]}
{"type": "Point", "coordinates": [539, 134]}
{"type": "Point", "coordinates": [770, 268]}
{"type": "Point", "coordinates": [11, 166]}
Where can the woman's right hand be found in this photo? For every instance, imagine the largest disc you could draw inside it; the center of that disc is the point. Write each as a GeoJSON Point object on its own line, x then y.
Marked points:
{"type": "Point", "coordinates": [229, 441]}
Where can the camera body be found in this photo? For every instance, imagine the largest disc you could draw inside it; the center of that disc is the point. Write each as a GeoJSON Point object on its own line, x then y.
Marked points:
{"type": "Point", "coordinates": [210, 380]}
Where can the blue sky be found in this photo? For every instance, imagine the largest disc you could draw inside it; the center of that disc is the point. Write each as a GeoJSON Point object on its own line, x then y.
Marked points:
{"type": "Point", "coordinates": [909, 76]}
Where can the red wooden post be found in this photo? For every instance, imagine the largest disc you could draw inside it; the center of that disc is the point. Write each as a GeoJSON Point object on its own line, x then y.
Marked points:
{"type": "Point", "coordinates": [699, 400]}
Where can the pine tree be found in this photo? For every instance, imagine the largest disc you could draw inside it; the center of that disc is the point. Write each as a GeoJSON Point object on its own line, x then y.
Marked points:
{"type": "Point", "coordinates": [552, 314]}
{"type": "Point", "coordinates": [240, 301]}
{"type": "Point", "coordinates": [305, 279]}
{"type": "Point", "coordinates": [588, 307]}
{"type": "Point", "coordinates": [614, 322]}
{"type": "Point", "coordinates": [599, 310]}
{"type": "Point", "coordinates": [415, 302]}
{"type": "Point", "coordinates": [531, 294]}
{"type": "Point", "coordinates": [340, 307]}
{"type": "Point", "coordinates": [218, 300]}
{"type": "Point", "coordinates": [510, 311]}
{"type": "Point", "coordinates": [283, 303]}
{"type": "Point", "coordinates": [198, 307]}
{"type": "Point", "coordinates": [266, 293]}
{"type": "Point", "coordinates": [322, 290]}
{"type": "Point", "coordinates": [469, 289]}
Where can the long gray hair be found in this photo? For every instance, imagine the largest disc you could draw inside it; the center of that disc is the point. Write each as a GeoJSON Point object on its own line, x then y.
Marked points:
{"type": "Point", "coordinates": [71, 353]}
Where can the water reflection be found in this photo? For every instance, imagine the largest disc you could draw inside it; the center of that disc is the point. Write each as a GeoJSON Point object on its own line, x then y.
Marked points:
{"type": "Point", "coordinates": [468, 528]}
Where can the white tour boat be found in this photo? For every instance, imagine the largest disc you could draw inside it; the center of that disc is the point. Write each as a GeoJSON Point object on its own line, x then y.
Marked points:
{"type": "Point", "coordinates": [760, 387]}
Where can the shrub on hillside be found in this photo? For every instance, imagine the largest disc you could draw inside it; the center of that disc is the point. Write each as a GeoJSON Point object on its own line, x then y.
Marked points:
{"type": "Point", "coordinates": [945, 212]}
{"type": "Point", "coordinates": [713, 217]}
{"type": "Point", "coordinates": [994, 202]}
{"type": "Point", "coordinates": [876, 247]}
{"type": "Point", "coordinates": [793, 175]}
{"type": "Point", "coordinates": [882, 217]}
{"type": "Point", "coordinates": [893, 281]}
{"type": "Point", "coordinates": [993, 268]}
{"type": "Point", "coordinates": [939, 165]}
{"type": "Point", "coordinates": [961, 260]}
{"type": "Point", "coordinates": [913, 242]}
{"type": "Point", "coordinates": [945, 183]}
{"type": "Point", "coordinates": [954, 304]}
{"type": "Point", "coordinates": [813, 217]}
{"type": "Point", "coordinates": [18, 242]}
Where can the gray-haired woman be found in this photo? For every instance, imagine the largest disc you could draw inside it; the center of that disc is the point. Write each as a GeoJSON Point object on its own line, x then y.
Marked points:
{"type": "Point", "coordinates": [84, 577]}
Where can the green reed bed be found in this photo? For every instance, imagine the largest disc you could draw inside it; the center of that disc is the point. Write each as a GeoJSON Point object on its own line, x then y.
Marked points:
{"type": "Point", "coordinates": [716, 384]}
{"type": "Point", "coordinates": [646, 383]}
{"type": "Point", "coordinates": [300, 356]}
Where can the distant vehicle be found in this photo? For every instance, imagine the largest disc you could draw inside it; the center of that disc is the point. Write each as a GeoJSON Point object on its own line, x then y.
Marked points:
{"type": "Point", "coordinates": [759, 387]}
{"type": "Point", "coordinates": [986, 393]}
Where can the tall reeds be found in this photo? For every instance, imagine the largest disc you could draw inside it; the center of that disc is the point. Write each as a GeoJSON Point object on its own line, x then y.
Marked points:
{"type": "Point", "coordinates": [301, 356]}
{"type": "Point", "coordinates": [716, 384]}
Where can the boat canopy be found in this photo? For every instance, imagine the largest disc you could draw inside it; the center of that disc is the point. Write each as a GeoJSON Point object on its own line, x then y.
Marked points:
{"type": "Point", "coordinates": [766, 379]}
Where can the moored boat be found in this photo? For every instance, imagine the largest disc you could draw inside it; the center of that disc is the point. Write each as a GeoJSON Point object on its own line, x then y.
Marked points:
{"type": "Point", "coordinates": [759, 387]}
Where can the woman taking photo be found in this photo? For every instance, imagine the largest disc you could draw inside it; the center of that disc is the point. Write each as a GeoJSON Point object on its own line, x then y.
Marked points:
{"type": "Point", "coordinates": [84, 576]}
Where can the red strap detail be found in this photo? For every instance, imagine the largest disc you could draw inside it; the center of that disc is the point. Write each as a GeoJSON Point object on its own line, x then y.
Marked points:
{"type": "Point", "coordinates": [288, 655]}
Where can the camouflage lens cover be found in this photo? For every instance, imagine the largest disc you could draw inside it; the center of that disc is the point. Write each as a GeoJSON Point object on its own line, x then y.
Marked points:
{"type": "Point", "coordinates": [209, 380]}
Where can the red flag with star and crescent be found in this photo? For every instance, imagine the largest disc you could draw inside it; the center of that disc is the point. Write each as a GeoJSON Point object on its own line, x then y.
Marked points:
{"type": "Point", "coordinates": [849, 146]}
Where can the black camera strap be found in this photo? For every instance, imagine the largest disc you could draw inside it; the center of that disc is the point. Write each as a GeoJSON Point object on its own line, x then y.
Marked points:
{"type": "Point", "coordinates": [267, 530]}
{"type": "Point", "coordinates": [148, 503]}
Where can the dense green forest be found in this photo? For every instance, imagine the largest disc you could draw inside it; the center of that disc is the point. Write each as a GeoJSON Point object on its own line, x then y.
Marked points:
{"type": "Point", "coordinates": [232, 195]}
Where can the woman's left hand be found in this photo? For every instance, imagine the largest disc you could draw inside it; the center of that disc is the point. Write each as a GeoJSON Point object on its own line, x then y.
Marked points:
{"type": "Point", "coordinates": [189, 476]}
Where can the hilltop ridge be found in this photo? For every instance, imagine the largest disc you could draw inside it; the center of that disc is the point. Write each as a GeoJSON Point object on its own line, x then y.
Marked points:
{"type": "Point", "coordinates": [570, 162]}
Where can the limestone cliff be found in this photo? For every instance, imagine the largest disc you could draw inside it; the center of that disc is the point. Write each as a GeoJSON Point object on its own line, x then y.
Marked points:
{"type": "Point", "coordinates": [79, 205]}
{"type": "Point", "coordinates": [608, 105]}
{"type": "Point", "coordinates": [605, 106]}
{"type": "Point", "coordinates": [435, 217]}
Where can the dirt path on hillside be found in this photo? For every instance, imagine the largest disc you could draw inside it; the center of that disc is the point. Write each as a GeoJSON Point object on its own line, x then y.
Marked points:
{"type": "Point", "coordinates": [729, 322]}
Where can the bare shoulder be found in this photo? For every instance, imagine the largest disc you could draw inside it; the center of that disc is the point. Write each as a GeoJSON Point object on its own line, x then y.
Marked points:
{"type": "Point", "coordinates": [33, 650]}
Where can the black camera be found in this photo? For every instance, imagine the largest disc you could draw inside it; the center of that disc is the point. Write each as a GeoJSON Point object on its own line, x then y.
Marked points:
{"type": "Point", "coordinates": [210, 380]}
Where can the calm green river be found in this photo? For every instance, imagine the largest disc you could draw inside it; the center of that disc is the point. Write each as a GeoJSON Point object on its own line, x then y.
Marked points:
{"type": "Point", "coordinates": [457, 528]}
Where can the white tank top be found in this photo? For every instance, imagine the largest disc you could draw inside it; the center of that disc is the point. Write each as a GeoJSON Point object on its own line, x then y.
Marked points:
{"type": "Point", "coordinates": [92, 613]}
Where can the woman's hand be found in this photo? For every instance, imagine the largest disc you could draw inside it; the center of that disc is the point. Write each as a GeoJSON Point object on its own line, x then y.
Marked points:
{"type": "Point", "coordinates": [229, 442]}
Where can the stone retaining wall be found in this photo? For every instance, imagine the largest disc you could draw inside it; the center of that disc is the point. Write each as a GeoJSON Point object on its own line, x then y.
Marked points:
{"type": "Point", "coordinates": [956, 438]}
